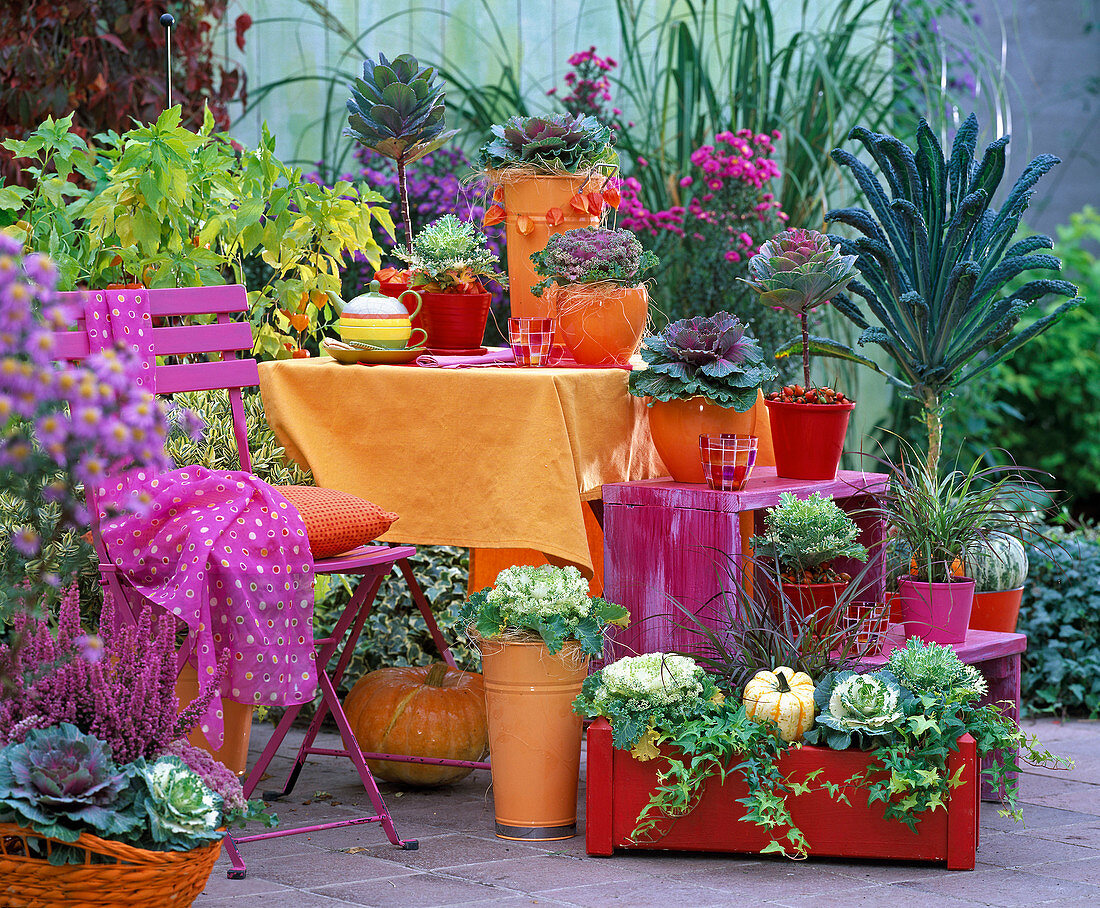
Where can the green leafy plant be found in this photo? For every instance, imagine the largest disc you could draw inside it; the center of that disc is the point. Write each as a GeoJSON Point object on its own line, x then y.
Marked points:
{"type": "Point", "coordinates": [928, 668]}
{"type": "Point", "coordinates": [934, 261]}
{"type": "Point", "coordinates": [855, 708]}
{"type": "Point", "coordinates": [1061, 617]}
{"type": "Point", "coordinates": [799, 270]}
{"type": "Point", "coordinates": [805, 535]}
{"type": "Point", "coordinates": [450, 256]}
{"type": "Point", "coordinates": [937, 519]}
{"type": "Point", "coordinates": [559, 143]}
{"type": "Point", "coordinates": [546, 602]}
{"type": "Point", "coordinates": [171, 207]}
{"type": "Point", "coordinates": [711, 356]}
{"type": "Point", "coordinates": [398, 111]}
{"type": "Point", "coordinates": [182, 812]}
{"type": "Point", "coordinates": [591, 255]}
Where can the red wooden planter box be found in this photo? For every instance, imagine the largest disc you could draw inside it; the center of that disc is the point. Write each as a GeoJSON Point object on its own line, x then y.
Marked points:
{"type": "Point", "coordinates": [620, 786]}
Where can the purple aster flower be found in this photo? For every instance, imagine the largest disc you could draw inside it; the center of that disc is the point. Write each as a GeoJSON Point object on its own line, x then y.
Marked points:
{"type": "Point", "coordinates": [26, 541]}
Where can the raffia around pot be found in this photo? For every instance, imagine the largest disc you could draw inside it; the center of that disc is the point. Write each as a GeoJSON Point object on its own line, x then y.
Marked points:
{"type": "Point", "coordinates": [602, 323]}
{"type": "Point", "coordinates": [135, 878]}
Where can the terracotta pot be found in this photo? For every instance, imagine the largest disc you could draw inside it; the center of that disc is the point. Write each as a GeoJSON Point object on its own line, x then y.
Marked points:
{"type": "Point", "coordinates": [811, 603]}
{"type": "Point", "coordinates": [534, 736]}
{"type": "Point", "coordinates": [996, 611]}
{"type": "Point", "coordinates": [808, 438]}
{"type": "Point", "coordinates": [531, 197]}
{"type": "Point", "coordinates": [236, 718]}
{"type": "Point", "coordinates": [936, 612]}
{"type": "Point", "coordinates": [677, 424]}
{"type": "Point", "coordinates": [455, 322]}
{"type": "Point", "coordinates": [601, 324]}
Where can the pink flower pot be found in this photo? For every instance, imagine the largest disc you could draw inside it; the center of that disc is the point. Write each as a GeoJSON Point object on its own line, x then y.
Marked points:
{"type": "Point", "coordinates": [936, 612]}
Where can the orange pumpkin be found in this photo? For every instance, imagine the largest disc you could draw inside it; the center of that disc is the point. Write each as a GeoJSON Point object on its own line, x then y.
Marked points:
{"type": "Point", "coordinates": [421, 711]}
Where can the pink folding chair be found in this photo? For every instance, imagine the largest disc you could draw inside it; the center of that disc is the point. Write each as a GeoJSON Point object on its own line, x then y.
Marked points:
{"type": "Point", "coordinates": [221, 368]}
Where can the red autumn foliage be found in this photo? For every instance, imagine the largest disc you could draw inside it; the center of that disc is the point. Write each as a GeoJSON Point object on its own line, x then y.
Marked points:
{"type": "Point", "coordinates": [104, 59]}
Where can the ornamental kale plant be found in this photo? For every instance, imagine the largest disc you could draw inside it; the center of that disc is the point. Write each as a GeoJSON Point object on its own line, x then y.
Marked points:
{"type": "Point", "coordinates": [554, 144]}
{"type": "Point", "coordinates": [450, 256]}
{"type": "Point", "coordinates": [854, 709]}
{"type": "Point", "coordinates": [928, 668]}
{"type": "Point", "coordinates": [61, 426]}
{"type": "Point", "coordinates": [805, 535]}
{"type": "Point", "coordinates": [61, 782]}
{"type": "Point", "coordinates": [710, 356]}
{"type": "Point", "coordinates": [591, 255]}
{"type": "Point", "coordinates": [182, 812]}
{"type": "Point", "coordinates": [550, 603]}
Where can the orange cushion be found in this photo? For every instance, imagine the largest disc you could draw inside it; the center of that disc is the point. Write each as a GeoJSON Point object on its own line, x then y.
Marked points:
{"type": "Point", "coordinates": [336, 521]}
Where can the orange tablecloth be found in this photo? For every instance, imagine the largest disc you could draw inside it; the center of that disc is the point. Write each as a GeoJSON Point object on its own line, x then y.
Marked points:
{"type": "Point", "coordinates": [485, 458]}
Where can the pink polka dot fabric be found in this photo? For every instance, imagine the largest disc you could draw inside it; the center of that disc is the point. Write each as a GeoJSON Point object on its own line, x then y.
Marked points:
{"type": "Point", "coordinates": [229, 557]}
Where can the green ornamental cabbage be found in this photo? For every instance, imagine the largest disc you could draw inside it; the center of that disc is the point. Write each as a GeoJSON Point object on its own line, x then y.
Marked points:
{"type": "Point", "coordinates": [856, 708]}
{"type": "Point", "coordinates": [182, 811]}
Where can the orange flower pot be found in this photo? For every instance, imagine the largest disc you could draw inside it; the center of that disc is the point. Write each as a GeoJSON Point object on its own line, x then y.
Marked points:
{"type": "Point", "coordinates": [677, 424]}
{"type": "Point", "coordinates": [534, 736]}
{"type": "Point", "coordinates": [527, 202]}
{"type": "Point", "coordinates": [601, 324]}
{"type": "Point", "coordinates": [812, 603]}
{"type": "Point", "coordinates": [236, 718]}
{"type": "Point", "coordinates": [996, 611]}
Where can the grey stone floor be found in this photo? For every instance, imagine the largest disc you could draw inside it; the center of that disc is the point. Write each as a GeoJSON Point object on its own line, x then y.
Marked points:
{"type": "Point", "coordinates": [1053, 856]}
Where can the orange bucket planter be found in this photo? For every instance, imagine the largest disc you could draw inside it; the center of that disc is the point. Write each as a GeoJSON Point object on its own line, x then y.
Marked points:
{"type": "Point", "coordinates": [676, 425]}
{"type": "Point", "coordinates": [998, 610]}
{"type": "Point", "coordinates": [534, 736]}
{"type": "Point", "coordinates": [236, 718]}
{"type": "Point", "coordinates": [601, 323]}
{"type": "Point", "coordinates": [536, 206]}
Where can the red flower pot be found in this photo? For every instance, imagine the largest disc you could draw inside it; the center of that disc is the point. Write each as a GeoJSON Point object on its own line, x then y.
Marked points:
{"type": "Point", "coordinates": [812, 603]}
{"type": "Point", "coordinates": [455, 322]}
{"type": "Point", "coordinates": [997, 611]}
{"type": "Point", "coordinates": [394, 288]}
{"type": "Point", "coordinates": [936, 612]}
{"type": "Point", "coordinates": [808, 438]}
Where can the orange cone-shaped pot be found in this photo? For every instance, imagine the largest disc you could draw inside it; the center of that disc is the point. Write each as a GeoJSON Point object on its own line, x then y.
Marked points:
{"type": "Point", "coordinates": [528, 201]}
{"type": "Point", "coordinates": [601, 324]}
{"type": "Point", "coordinates": [534, 736]}
{"type": "Point", "coordinates": [236, 719]}
{"type": "Point", "coordinates": [677, 424]}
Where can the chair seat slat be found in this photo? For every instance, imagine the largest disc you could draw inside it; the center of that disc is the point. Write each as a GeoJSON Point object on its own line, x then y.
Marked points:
{"type": "Point", "coordinates": [237, 373]}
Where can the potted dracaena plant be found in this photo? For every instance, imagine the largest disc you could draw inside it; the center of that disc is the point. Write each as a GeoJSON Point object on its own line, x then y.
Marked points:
{"type": "Point", "coordinates": [447, 261]}
{"type": "Point", "coordinates": [938, 263]}
{"type": "Point", "coordinates": [799, 270]}
{"type": "Point", "coordinates": [703, 376]}
{"type": "Point", "coordinates": [593, 277]}
{"type": "Point", "coordinates": [550, 174]}
{"type": "Point", "coordinates": [807, 538]}
{"type": "Point", "coordinates": [939, 519]}
{"type": "Point", "coordinates": [536, 629]}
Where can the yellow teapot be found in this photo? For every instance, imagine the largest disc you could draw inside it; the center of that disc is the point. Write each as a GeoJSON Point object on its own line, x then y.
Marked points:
{"type": "Point", "coordinates": [374, 320]}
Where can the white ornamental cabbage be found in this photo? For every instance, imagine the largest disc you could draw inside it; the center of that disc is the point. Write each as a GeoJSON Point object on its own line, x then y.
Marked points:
{"type": "Point", "coordinates": [864, 703]}
{"type": "Point", "coordinates": [182, 810]}
{"type": "Point", "coordinates": [656, 678]}
{"type": "Point", "coordinates": [542, 591]}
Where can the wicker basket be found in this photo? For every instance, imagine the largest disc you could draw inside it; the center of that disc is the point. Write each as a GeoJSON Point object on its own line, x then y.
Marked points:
{"type": "Point", "coordinates": [131, 877]}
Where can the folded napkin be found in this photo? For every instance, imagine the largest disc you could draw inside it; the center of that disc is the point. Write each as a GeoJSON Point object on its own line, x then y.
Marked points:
{"type": "Point", "coordinates": [492, 357]}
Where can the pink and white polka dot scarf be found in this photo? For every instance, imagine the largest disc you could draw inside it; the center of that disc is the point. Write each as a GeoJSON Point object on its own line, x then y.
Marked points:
{"type": "Point", "coordinates": [222, 551]}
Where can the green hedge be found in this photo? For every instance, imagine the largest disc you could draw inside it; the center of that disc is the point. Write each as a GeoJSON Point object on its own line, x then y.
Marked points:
{"type": "Point", "coordinates": [1061, 617]}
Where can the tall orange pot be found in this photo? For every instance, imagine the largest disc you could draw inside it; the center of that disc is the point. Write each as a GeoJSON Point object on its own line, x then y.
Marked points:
{"type": "Point", "coordinates": [236, 719]}
{"type": "Point", "coordinates": [528, 200]}
{"type": "Point", "coordinates": [534, 736]}
{"type": "Point", "coordinates": [602, 323]}
{"type": "Point", "coordinates": [998, 610]}
{"type": "Point", "coordinates": [677, 424]}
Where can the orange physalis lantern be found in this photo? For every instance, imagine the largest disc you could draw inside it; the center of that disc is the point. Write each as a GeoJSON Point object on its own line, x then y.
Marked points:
{"type": "Point", "coordinates": [612, 197]}
{"type": "Point", "coordinates": [524, 225]}
{"type": "Point", "coordinates": [580, 203]}
{"type": "Point", "coordinates": [595, 202]}
{"type": "Point", "coordinates": [555, 217]}
{"type": "Point", "coordinates": [498, 196]}
{"type": "Point", "coordinates": [494, 215]}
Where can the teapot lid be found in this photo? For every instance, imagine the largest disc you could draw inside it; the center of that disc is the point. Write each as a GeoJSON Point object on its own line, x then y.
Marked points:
{"type": "Point", "coordinates": [374, 302]}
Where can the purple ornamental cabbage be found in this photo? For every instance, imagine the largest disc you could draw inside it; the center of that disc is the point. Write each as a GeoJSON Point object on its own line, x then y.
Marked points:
{"type": "Point", "coordinates": [589, 255]}
{"type": "Point", "coordinates": [60, 783]}
{"type": "Point", "coordinates": [710, 356]}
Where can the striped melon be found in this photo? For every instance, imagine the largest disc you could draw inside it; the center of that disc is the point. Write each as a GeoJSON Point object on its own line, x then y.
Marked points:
{"type": "Point", "coordinates": [999, 562]}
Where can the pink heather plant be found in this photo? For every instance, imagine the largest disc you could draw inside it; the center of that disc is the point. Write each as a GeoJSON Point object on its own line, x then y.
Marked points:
{"type": "Point", "coordinates": [61, 426]}
{"type": "Point", "coordinates": [127, 698]}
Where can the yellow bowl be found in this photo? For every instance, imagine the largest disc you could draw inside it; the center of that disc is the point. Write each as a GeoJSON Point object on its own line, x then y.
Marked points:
{"type": "Point", "coordinates": [359, 321]}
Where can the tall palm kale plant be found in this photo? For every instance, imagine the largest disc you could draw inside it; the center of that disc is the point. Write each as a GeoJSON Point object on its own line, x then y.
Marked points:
{"type": "Point", "coordinates": [935, 259]}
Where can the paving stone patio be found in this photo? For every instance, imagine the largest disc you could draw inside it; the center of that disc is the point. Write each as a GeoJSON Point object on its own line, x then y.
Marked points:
{"type": "Point", "coordinates": [1054, 856]}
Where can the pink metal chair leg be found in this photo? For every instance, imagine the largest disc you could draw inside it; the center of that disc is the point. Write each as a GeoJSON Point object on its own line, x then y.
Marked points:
{"type": "Point", "coordinates": [426, 611]}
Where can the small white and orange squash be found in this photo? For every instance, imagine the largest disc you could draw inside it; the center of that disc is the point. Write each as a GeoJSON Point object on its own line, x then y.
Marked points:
{"type": "Point", "coordinates": [783, 697]}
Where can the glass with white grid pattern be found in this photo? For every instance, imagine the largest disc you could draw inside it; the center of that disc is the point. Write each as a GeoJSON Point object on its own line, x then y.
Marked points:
{"type": "Point", "coordinates": [727, 460]}
{"type": "Point", "coordinates": [531, 339]}
{"type": "Point", "coordinates": [867, 623]}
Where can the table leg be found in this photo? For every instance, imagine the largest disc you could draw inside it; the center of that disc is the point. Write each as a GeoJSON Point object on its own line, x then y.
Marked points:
{"type": "Point", "coordinates": [1003, 678]}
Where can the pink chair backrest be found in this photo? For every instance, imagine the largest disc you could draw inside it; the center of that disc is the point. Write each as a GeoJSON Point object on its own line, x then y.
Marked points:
{"type": "Point", "coordinates": [220, 342]}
